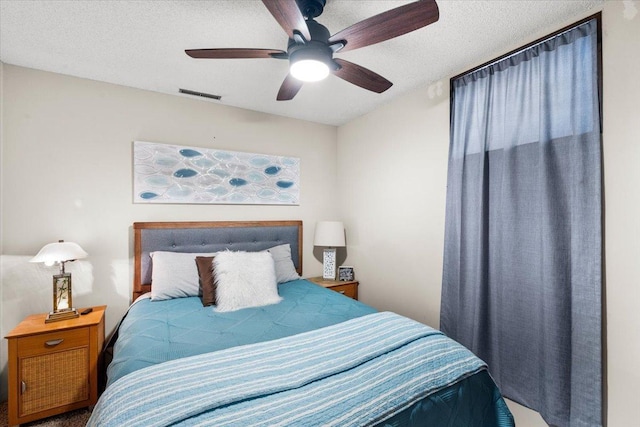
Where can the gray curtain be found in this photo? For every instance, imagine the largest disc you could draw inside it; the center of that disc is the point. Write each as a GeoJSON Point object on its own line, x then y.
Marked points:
{"type": "Point", "coordinates": [522, 275]}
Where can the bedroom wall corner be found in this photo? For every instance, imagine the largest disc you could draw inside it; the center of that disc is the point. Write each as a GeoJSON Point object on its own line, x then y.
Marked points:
{"type": "Point", "coordinates": [392, 168]}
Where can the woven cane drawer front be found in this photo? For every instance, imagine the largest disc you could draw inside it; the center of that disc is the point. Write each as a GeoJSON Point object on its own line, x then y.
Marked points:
{"type": "Point", "coordinates": [53, 341]}
{"type": "Point", "coordinates": [52, 380]}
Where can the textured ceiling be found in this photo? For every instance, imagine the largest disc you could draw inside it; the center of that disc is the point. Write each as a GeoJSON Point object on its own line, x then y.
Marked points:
{"type": "Point", "coordinates": [141, 44]}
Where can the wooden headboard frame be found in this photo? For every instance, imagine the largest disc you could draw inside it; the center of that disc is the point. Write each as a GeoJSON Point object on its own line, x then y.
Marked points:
{"type": "Point", "coordinates": [209, 236]}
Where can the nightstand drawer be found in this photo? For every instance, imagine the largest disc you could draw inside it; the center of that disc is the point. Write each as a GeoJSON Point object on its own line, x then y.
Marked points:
{"type": "Point", "coordinates": [53, 341]}
{"type": "Point", "coordinates": [349, 290]}
{"type": "Point", "coordinates": [346, 288]}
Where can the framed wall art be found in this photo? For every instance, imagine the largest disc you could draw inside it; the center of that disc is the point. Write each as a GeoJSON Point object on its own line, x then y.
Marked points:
{"type": "Point", "coordinates": [164, 173]}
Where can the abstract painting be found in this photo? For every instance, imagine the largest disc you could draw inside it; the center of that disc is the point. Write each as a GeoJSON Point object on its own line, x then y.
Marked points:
{"type": "Point", "coordinates": [164, 173]}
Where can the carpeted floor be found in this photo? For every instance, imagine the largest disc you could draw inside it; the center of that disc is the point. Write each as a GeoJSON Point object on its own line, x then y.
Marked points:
{"type": "Point", "coordinates": [77, 418]}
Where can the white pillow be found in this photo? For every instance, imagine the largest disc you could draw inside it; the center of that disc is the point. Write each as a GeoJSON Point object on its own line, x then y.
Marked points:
{"type": "Point", "coordinates": [244, 279]}
{"type": "Point", "coordinates": [174, 275]}
{"type": "Point", "coordinates": [285, 269]}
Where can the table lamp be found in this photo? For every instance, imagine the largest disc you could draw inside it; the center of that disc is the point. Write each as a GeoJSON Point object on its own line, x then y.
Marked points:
{"type": "Point", "coordinates": [329, 234]}
{"type": "Point", "coordinates": [60, 253]}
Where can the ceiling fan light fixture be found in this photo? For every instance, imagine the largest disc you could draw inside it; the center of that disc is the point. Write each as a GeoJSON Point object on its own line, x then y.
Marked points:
{"type": "Point", "coordinates": [310, 62]}
{"type": "Point", "coordinates": [310, 46]}
{"type": "Point", "coordinates": [309, 70]}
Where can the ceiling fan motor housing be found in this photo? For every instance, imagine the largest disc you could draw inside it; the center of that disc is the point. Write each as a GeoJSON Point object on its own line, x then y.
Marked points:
{"type": "Point", "coordinates": [317, 48]}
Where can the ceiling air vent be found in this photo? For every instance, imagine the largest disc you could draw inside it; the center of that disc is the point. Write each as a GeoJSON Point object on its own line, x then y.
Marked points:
{"type": "Point", "coordinates": [200, 94]}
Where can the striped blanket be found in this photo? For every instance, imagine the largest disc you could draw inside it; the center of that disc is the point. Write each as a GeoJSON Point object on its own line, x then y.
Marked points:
{"type": "Point", "coordinates": [359, 372]}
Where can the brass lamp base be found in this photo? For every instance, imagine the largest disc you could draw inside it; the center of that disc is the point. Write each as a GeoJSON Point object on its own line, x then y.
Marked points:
{"type": "Point", "coordinates": [71, 313]}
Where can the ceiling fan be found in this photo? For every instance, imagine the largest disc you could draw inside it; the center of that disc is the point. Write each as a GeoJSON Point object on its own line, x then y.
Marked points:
{"type": "Point", "coordinates": [311, 46]}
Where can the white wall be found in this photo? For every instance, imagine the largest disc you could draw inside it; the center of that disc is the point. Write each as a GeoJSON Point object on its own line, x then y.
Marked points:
{"type": "Point", "coordinates": [621, 142]}
{"type": "Point", "coordinates": [3, 351]}
{"type": "Point", "coordinates": [392, 179]}
{"type": "Point", "coordinates": [67, 173]}
{"type": "Point", "coordinates": [392, 170]}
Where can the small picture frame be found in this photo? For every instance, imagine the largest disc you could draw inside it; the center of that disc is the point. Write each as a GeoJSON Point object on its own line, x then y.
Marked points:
{"type": "Point", "coordinates": [345, 273]}
{"type": "Point", "coordinates": [62, 293]}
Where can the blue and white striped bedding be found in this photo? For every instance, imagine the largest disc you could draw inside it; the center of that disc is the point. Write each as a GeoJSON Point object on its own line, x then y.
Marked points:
{"type": "Point", "coordinates": [359, 372]}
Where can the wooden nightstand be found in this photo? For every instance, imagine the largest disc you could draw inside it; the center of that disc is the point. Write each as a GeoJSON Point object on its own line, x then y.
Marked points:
{"type": "Point", "coordinates": [54, 367]}
{"type": "Point", "coordinates": [346, 288]}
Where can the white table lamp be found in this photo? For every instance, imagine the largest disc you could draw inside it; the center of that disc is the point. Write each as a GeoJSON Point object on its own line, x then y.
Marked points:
{"type": "Point", "coordinates": [329, 234]}
{"type": "Point", "coordinates": [59, 253]}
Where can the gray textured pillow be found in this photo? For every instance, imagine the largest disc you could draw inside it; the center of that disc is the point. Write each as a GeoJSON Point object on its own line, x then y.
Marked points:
{"type": "Point", "coordinates": [285, 269]}
{"type": "Point", "coordinates": [174, 275]}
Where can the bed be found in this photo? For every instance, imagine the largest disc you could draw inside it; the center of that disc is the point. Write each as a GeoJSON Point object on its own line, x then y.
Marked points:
{"type": "Point", "coordinates": [309, 357]}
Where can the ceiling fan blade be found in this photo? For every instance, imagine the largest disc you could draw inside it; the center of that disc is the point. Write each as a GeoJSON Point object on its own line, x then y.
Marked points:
{"type": "Point", "coordinates": [387, 25]}
{"type": "Point", "coordinates": [234, 53]}
{"type": "Point", "coordinates": [289, 89]}
{"type": "Point", "coordinates": [360, 76]}
{"type": "Point", "coordinates": [289, 17]}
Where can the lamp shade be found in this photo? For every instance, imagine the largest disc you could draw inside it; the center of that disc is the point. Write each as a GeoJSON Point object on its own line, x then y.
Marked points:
{"type": "Point", "coordinates": [60, 251]}
{"type": "Point", "coordinates": [329, 233]}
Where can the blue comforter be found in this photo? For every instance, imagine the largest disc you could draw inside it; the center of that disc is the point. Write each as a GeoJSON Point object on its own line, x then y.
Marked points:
{"type": "Point", "coordinates": [158, 331]}
{"type": "Point", "coordinates": [359, 372]}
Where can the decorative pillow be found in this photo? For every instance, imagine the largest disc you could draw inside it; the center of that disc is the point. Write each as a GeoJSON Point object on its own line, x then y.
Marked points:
{"type": "Point", "coordinates": [285, 269]}
{"type": "Point", "coordinates": [244, 279]}
{"type": "Point", "coordinates": [207, 286]}
{"type": "Point", "coordinates": [174, 275]}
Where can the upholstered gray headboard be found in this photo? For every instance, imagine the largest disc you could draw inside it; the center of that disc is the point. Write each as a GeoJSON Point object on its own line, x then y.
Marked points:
{"type": "Point", "coordinates": [209, 237]}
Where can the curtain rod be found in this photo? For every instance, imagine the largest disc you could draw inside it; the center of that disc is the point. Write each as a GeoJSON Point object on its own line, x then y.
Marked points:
{"type": "Point", "coordinates": [597, 16]}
